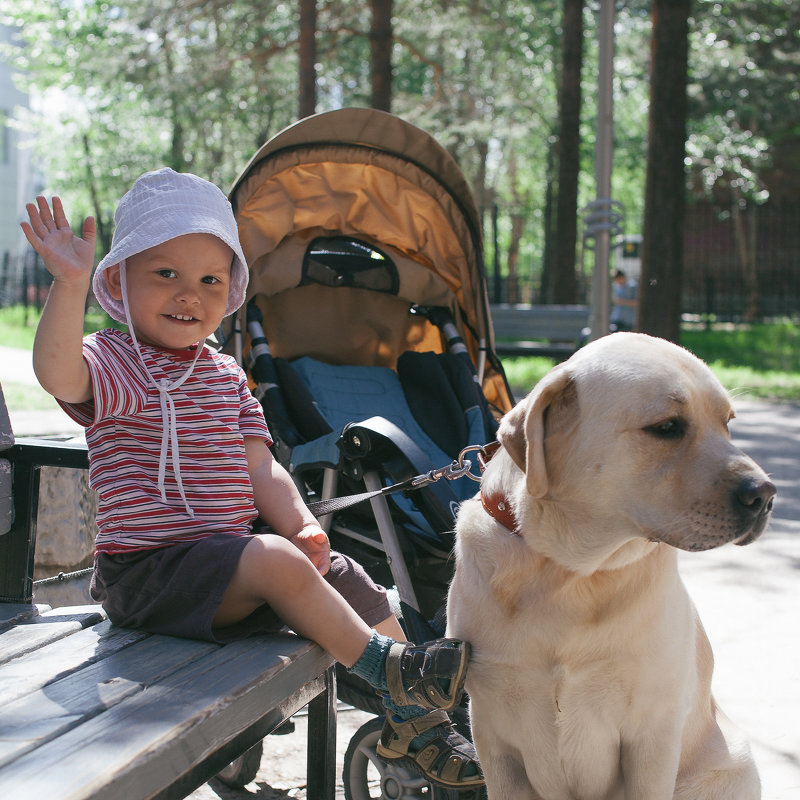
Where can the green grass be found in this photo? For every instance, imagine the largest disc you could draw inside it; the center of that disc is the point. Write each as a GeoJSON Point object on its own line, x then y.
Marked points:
{"type": "Point", "coordinates": [755, 361]}
{"type": "Point", "coordinates": [760, 360]}
{"type": "Point", "coordinates": [24, 397]}
{"type": "Point", "coordinates": [18, 325]}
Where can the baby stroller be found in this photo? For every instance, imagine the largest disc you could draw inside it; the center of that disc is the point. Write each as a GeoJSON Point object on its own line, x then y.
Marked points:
{"type": "Point", "coordinates": [371, 348]}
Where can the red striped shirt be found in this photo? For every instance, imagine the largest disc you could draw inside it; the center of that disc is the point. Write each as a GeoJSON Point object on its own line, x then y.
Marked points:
{"type": "Point", "coordinates": [215, 411]}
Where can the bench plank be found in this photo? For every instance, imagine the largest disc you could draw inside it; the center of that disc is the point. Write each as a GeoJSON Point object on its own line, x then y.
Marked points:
{"type": "Point", "coordinates": [17, 613]}
{"type": "Point", "coordinates": [559, 350]}
{"type": "Point", "coordinates": [548, 330]}
{"type": "Point", "coordinates": [39, 630]}
{"type": "Point", "coordinates": [50, 711]}
{"type": "Point", "coordinates": [40, 717]}
{"type": "Point", "coordinates": [138, 747]}
{"type": "Point", "coordinates": [34, 670]}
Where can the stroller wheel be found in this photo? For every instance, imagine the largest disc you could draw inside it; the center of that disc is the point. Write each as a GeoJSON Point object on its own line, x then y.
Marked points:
{"type": "Point", "coordinates": [243, 769]}
{"type": "Point", "coordinates": [365, 776]}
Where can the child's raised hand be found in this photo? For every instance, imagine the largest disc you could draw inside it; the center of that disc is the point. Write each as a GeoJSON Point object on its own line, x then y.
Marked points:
{"type": "Point", "coordinates": [67, 257]}
{"type": "Point", "coordinates": [313, 541]}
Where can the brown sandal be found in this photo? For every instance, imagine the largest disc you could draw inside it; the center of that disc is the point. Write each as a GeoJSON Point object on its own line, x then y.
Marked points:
{"type": "Point", "coordinates": [444, 760]}
{"type": "Point", "coordinates": [415, 673]}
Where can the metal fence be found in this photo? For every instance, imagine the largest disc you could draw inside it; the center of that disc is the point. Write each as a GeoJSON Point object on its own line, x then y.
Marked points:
{"type": "Point", "coordinates": [23, 280]}
{"type": "Point", "coordinates": [742, 264]}
{"type": "Point", "coordinates": [739, 265]}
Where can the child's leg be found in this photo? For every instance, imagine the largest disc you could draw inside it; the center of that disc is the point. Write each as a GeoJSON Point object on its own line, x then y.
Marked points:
{"type": "Point", "coordinates": [272, 570]}
{"type": "Point", "coordinates": [391, 627]}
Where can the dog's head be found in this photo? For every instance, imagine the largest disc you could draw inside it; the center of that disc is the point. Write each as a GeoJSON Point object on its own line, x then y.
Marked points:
{"type": "Point", "coordinates": [628, 439]}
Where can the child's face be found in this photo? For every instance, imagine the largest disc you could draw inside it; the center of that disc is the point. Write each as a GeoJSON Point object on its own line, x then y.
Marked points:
{"type": "Point", "coordinates": [177, 291]}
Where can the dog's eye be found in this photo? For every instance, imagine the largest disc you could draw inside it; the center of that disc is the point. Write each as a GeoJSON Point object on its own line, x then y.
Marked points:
{"type": "Point", "coordinates": [672, 428]}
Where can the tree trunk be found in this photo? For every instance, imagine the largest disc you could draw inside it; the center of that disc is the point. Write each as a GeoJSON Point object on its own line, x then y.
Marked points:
{"type": "Point", "coordinates": [479, 187]}
{"type": "Point", "coordinates": [380, 47]}
{"type": "Point", "coordinates": [176, 158]}
{"type": "Point", "coordinates": [99, 215]}
{"type": "Point", "coordinates": [665, 188]}
{"type": "Point", "coordinates": [744, 232]}
{"type": "Point", "coordinates": [518, 214]}
{"type": "Point", "coordinates": [569, 104]}
{"type": "Point", "coordinates": [545, 291]}
{"type": "Point", "coordinates": [307, 57]}
{"type": "Point", "coordinates": [517, 229]}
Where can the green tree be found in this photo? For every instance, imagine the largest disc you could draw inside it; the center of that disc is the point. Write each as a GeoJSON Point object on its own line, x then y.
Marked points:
{"type": "Point", "coordinates": [744, 96]}
{"type": "Point", "coordinates": [189, 85]}
{"type": "Point", "coordinates": [480, 77]}
{"type": "Point", "coordinates": [744, 132]}
{"type": "Point", "coordinates": [200, 84]}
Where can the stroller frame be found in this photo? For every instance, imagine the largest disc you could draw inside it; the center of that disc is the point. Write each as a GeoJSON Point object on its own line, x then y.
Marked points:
{"type": "Point", "coordinates": [365, 253]}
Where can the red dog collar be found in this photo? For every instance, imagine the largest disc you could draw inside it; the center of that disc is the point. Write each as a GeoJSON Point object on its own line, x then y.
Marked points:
{"type": "Point", "coordinates": [497, 505]}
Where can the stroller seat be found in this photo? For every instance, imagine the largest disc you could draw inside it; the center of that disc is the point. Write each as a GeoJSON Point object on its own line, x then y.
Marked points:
{"type": "Point", "coordinates": [372, 402]}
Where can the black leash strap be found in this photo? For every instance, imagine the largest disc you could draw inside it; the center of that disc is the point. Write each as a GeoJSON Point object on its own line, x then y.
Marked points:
{"type": "Point", "coordinates": [321, 508]}
{"type": "Point", "coordinates": [458, 468]}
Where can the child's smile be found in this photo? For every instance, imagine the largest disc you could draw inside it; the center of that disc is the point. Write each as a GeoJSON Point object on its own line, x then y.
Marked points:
{"type": "Point", "coordinates": [177, 291]}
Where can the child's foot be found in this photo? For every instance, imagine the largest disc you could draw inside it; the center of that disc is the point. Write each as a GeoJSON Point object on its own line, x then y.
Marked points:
{"type": "Point", "coordinates": [431, 745]}
{"type": "Point", "coordinates": [430, 675]}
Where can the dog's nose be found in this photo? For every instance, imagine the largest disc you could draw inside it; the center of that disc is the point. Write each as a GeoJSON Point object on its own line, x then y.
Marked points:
{"type": "Point", "coordinates": [756, 495]}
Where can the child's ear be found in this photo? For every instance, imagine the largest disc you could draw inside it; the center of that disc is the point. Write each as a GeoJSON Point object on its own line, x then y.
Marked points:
{"type": "Point", "coordinates": [113, 281]}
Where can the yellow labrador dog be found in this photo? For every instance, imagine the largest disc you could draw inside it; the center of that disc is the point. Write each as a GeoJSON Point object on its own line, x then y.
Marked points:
{"type": "Point", "coordinates": [590, 676]}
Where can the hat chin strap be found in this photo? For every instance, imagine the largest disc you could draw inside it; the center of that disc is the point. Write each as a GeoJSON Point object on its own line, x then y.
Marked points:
{"type": "Point", "coordinates": [169, 435]}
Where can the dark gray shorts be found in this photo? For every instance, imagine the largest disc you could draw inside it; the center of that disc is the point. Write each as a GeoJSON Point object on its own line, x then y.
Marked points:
{"type": "Point", "coordinates": [177, 590]}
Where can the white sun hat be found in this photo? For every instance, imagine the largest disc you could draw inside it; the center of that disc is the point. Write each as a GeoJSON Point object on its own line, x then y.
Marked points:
{"type": "Point", "coordinates": [161, 205]}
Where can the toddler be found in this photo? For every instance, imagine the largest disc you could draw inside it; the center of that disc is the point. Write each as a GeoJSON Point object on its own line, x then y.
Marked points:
{"type": "Point", "coordinates": [179, 457]}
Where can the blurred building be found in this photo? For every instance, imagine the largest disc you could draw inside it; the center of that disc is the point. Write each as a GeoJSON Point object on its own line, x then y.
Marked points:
{"type": "Point", "coordinates": [16, 181]}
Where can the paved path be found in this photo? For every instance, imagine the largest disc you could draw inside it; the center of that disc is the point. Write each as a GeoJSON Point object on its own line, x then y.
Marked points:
{"type": "Point", "coordinates": [748, 599]}
{"type": "Point", "coordinates": [16, 368]}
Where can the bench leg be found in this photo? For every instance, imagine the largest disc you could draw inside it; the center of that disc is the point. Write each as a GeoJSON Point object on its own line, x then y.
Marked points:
{"type": "Point", "coordinates": [321, 753]}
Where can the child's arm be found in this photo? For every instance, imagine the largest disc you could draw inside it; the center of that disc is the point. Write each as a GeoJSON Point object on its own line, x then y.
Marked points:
{"type": "Point", "coordinates": [57, 349]}
{"type": "Point", "coordinates": [281, 506]}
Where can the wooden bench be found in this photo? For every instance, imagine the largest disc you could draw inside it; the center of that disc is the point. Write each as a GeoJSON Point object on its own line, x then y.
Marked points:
{"type": "Point", "coordinates": [554, 331]}
{"type": "Point", "coordinates": [91, 710]}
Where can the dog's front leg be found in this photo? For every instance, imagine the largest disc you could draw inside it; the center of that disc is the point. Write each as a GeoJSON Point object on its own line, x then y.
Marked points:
{"type": "Point", "coordinates": [506, 778]}
{"type": "Point", "coordinates": [650, 763]}
{"type": "Point", "coordinates": [502, 764]}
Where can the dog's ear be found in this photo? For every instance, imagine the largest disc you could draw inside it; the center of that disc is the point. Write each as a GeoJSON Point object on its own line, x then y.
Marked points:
{"type": "Point", "coordinates": [511, 432]}
{"type": "Point", "coordinates": [522, 430]}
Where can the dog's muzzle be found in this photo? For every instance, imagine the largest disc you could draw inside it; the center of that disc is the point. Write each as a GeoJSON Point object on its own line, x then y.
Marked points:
{"type": "Point", "coordinates": [753, 500]}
